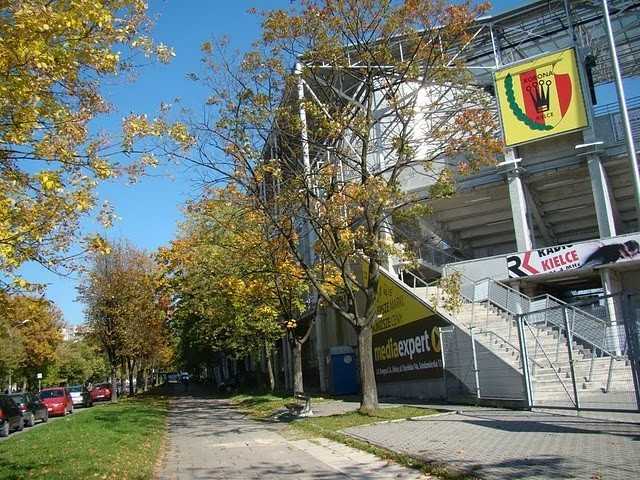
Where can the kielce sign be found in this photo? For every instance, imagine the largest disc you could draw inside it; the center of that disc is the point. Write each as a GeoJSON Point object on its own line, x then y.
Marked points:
{"type": "Point", "coordinates": [577, 256]}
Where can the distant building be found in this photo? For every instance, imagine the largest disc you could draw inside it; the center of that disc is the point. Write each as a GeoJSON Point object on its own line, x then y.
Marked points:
{"type": "Point", "coordinates": [72, 332]}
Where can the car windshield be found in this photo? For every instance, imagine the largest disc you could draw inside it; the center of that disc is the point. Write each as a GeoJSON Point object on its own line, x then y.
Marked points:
{"type": "Point", "coordinates": [102, 385]}
{"type": "Point", "coordinates": [17, 398]}
{"type": "Point", "coordinates": [75, 389]}
{"type": "Point", "coordinates": [51, 394]}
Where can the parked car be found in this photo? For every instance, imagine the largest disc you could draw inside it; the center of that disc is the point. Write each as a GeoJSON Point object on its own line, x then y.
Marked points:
{"type": "Point", "coordinates": [81, 396]}
{"type": "Point", "coordinates": [32, 407]}
{"type": "Point", "coordinates": [101, 391]}
{"type": "Point", "coordinates": [10, 416]}
{"type": "Point", "coordinates": [58, 400]}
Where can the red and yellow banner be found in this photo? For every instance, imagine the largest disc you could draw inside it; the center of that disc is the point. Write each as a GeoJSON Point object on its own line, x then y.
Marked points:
{"type": "Point", "coordinates": [540, 98]}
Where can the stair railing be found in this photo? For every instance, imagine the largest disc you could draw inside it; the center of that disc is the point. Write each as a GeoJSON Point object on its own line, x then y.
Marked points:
{"type": "Point", "coordinates": [586, 327]}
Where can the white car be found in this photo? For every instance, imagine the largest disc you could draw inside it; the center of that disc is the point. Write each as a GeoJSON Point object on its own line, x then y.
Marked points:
{"type": "Point", "coordinates": [81, 396]}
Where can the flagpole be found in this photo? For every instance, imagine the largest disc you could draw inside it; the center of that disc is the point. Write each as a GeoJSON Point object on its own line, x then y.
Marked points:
{"type": "Point", "coordinates": [631, 151]}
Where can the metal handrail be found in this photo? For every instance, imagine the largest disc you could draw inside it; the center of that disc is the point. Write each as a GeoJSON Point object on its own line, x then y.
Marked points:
{"type": "Point", "coordinates": [514, 303]}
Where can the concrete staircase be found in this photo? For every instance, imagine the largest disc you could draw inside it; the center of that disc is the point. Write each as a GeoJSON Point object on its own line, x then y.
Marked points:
{"type": "Point", "coordinates": [549, 359]}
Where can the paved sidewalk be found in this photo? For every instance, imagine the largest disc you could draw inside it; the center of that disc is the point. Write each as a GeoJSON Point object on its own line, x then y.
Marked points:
{"type": "Point", "coordinates": [505, 444]}
{"type": "Point", "coordinates": [208, 439]}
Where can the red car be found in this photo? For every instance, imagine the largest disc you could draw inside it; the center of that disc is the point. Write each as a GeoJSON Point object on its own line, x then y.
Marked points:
{"type": "Point", "coordinates": [58, 400]}
{"type": "Point", "coordinates": [101, 391]}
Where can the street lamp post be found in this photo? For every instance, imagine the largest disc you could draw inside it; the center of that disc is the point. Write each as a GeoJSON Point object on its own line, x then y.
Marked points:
{"type": "Point", "coordinates": [10, 332]}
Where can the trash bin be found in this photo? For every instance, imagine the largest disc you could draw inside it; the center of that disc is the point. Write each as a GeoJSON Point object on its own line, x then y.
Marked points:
{"type": "Point", "coordinates": [343, 370]}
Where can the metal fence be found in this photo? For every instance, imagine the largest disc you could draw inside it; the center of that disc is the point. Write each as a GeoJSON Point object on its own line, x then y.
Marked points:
{"type": "Point", "coordinates": [474, 373]}
{"type": "Point", "coordinates": [592, 366]}
{"type": "Point", "coordinates": [583, 356]}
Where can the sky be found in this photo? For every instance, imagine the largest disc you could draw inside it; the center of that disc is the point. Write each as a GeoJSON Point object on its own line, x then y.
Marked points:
{"type": "Point", "coordinates": [150, 209]}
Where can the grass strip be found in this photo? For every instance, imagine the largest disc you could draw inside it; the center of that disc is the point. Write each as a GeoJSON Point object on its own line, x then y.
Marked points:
{"type": "Point", "coordinates": [123, 440]}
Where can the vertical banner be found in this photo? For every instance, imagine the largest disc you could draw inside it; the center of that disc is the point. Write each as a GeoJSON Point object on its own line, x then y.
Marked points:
{"type": "Point", "coordinates": [406, 340]}
{"type": "Point", "coordinates": [540, 98]}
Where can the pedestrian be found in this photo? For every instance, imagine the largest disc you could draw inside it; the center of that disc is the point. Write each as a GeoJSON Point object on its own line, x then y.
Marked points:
{"type": "Point", "coordinates": [185, 380]}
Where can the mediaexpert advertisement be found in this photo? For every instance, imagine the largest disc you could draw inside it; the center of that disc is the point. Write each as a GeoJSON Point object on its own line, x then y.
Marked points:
{"type": "Point", "coordinates": [406, 338]}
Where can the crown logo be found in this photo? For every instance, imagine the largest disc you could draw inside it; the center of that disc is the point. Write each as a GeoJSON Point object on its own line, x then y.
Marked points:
{"type": "Point", "coordinates": [539, 93]}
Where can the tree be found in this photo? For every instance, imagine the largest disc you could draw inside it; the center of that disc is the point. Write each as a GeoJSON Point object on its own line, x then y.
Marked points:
{"type": "Point", "coordinates": [123, 311]}
{"type": "Point", "coordinates": [32, 332]}
{"type": "Point", "coordinates": [78, 362]}
{"type": "Point", "coordinates": [379, 94]}
{"type": "Point", "coordinates": [237, 285]}
{"type": "Point", "coordinates": [55, 59]}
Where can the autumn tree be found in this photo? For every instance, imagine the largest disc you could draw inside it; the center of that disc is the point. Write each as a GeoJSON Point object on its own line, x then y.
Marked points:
{"type": "Point", "coordinates": [30, 335]}
{"type": "Point", "coordinates": [237, 286]}
{"type": "Point", "coordinates": [333, 112]}
{"type": "Point", "coordinates": [55, 60]}
{"type": "Point", "coordinates": [122, 308]}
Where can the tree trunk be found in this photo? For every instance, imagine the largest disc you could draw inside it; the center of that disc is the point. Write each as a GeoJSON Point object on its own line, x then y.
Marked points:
{"type": "Point", "coordinates": [272, 380]}
{"type": "Point", "coordinates": [296, 354]}
{"type": "Point", "coordinates": [369, 389]}
{"type": "Point", "coordinates": [131, 367]}
{"type": "Point", "coordinates": [114, 380]}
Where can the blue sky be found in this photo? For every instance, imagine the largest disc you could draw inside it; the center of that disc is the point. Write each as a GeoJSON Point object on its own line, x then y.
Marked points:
{"type": "Point", "coordinates": [149, 210]}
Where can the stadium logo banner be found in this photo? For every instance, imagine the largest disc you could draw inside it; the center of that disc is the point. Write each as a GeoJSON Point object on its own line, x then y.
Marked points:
{"type": "Point", "coordinates": [540, 98]}
{"type": "Point", "coordinates": [571, 257]}
{"type": "Point", "coordinates": [406, 336]}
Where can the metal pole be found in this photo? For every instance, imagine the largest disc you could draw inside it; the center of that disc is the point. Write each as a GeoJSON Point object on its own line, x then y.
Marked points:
{"type": "Point", "coordinates": [444, 363]}
{"type": "Point", "coordinates": [524, 358]}
{"type": "Point", "coordinates": [631, 151]}
{"type": "Point", "coordinates": [570, 352]}
{"type": "Point", "coordinates": [630, 308]}
{"type": "Point", "coordinates": [475, 361]}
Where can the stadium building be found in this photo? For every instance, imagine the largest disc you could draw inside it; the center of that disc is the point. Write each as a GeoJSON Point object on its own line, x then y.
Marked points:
{"type": "Point", "coordinates": [545, 246]}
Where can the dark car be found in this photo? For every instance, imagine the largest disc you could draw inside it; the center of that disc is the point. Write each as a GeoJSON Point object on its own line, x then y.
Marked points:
{"type": "Point", "coordinates": [81, 396]}
{"type": "Point", "coordinates": [32, 408]}
{"type": "Point", "coordinates": [58, 400]}
{"type": "Point", "coordinates": [10, 416]}
{"type": "Point", "coordinates": [101, 391]}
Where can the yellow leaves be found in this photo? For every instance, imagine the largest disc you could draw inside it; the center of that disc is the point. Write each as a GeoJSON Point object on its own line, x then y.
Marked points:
{"type": "Point", "coordinates": [102, 169]}
{"type": "Point", "coordinates": [164, 53]}
{"type": "Point", "coordinates": [98, 244]}
{"type": "Point", "coordinates": [57, 55]}
{"type": "Point", "coordinates": [49, 181]}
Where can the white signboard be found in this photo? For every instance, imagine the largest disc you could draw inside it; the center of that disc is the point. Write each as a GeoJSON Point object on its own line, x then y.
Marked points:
{"type": "Point", "coordinates": [634, 121]}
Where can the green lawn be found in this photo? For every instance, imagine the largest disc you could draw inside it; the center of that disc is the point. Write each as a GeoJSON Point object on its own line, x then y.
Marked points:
{"type": "Point", "coordinates": [120, 441]}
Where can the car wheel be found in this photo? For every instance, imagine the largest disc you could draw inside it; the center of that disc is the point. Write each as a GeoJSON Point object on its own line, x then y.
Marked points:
{"type": "Point", "coordinates": [45, 419]}
{"type": "Point", "coordinates": [20, 425]}
{"type": "Point", "coordinates": [31, 420]}
{"type": "Point", "coordinates": [4, 429]}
